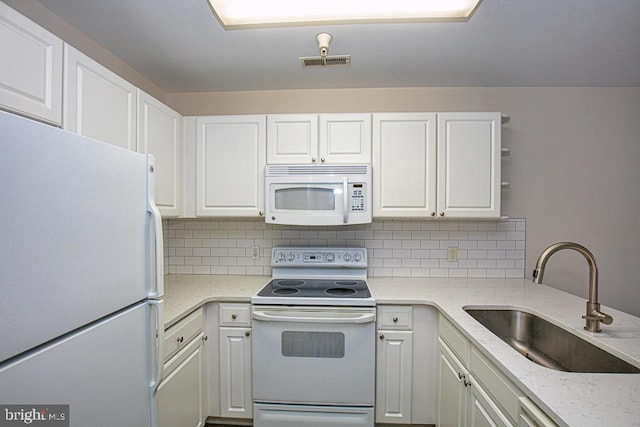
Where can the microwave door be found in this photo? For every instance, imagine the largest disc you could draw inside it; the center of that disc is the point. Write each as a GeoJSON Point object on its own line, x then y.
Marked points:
{"type": "Point", "coordinates": [309, 204]}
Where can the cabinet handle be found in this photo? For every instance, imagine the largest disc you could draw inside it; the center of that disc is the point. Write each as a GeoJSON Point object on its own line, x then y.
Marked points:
{"type": "Point", "coordinates": [461, 375]}
{"type": "Point", "coordinates": [180, 340]}
{"type": "Point", "coordinates": [234, 316]}
{"type": "Point", "coordinates": [313, 159]}
{"type": "Point", "coordinates": [246, 334]}
{"type": "Point", "coordinates": [467, 383]}
{"type": "Point", "coordinates": [381, 336]}
{"type": "Point", "coordinates": [395, 319]}
{"type": "Point", "coordinates": [322, 159]}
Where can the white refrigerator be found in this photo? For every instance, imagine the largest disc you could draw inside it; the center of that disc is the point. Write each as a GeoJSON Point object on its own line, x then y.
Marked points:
{"type": "Point", "coordinates": [80, 279]}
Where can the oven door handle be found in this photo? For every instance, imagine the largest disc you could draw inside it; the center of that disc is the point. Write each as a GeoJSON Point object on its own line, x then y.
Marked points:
{"type": "Point", "coordinates": [301, 317]}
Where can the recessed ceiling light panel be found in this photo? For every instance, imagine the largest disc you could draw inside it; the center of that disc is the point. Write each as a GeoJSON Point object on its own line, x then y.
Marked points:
{"type": "Point", "coordinates": [271, 13]}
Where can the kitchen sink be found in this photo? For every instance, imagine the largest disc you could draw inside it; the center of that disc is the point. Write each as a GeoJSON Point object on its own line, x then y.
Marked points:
{"type": "Point", "coordinates": [547, 344]}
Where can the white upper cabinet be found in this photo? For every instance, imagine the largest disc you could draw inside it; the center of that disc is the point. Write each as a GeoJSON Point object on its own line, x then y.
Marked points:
{"type": "Point", "coordinates": [230, 159]}
{"type": "Point", "coordinates": [318, 138]}
{"type": "Point", "coordinates": [444, 165]}
{"type": "Point", "coordinates": [469, 157]}
{"type": "Point", "coordinates": [31, 72]}
{"type": "Point", "coordinates": [98, 103]}
{"type": "Point", "coordinates": [160, 134]}
{"type": "Point", "coordinates": [404, 164]}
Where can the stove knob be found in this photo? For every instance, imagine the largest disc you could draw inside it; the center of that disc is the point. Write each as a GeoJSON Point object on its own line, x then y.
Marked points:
{"type": "Point", "coordinates": [290, 257]}
{"type": "Point", "coordinates": [330, 257]}
{"type": "Point", "coordinates": [280, 256]}
{"type": "Point", "coordinates": [347, 257]}
{"type": "Point", "coordinates": [357, 257]}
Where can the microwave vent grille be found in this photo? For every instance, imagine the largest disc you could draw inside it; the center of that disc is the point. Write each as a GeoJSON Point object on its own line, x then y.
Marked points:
{"type": "Point", "coordinates": [292, 170]}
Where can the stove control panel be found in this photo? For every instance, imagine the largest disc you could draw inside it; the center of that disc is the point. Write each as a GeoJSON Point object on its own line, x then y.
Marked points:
{"type": "Point", "coordinates": [319, 257]}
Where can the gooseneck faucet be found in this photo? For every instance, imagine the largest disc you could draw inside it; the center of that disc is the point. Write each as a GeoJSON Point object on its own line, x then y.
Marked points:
{"type": "Point", "coordinates": [594, 316]}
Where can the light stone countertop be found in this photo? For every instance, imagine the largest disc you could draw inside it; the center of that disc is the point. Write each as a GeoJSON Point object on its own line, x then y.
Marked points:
{"type": "Point", "coordinates": [571, 399]}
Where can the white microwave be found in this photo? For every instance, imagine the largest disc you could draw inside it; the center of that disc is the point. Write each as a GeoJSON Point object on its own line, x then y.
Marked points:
{"type": "Point", "coordinates": [321, 194]}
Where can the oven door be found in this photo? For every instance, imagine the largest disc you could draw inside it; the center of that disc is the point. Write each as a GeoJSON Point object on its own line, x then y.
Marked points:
{"type": "Point", "coordinates": [314, 355]}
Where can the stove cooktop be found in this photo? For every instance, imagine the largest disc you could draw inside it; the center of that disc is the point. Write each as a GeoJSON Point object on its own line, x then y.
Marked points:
{"type": "Point", "coordinates": [317, 276]}
{"type": "Point", "coordinates": [315, 288]}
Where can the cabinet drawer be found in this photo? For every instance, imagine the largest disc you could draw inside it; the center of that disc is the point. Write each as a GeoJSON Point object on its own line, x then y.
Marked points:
{"type": "Point", "coordinates": [179, 335]}
{"type": "Point", "coordinates": [235, 314]}
{"type": "Point", "coordinates": [502, 390]}
{"type": "Point", "coordinates": [454, 339]}
{"type": "Point", "coordinates": [395, 317]}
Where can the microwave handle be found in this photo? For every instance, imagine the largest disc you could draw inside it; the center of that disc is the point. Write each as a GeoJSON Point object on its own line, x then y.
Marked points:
{"type": "Point", "coordinates": [345, 200]}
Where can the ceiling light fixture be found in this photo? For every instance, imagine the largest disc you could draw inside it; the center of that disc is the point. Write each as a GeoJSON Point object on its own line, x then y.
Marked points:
{"type": "Point", "coordinates": [272, 13]}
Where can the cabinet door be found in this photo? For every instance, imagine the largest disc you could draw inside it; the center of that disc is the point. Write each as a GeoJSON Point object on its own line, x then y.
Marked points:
{"type": "Point", "coordinates": [160, 134]}
{"type": "Point", "coordinates": [394, 376]}
{"type": "Point", "coordinates": [469, 165]}
{"type": "Point", "coordinates": [31, 73]}
{"type": "Point", "coordinates": [345, 138]}
{"type": "Point", "coordinates": [235, 373]}
{"type": "Point", "coordinates": [230, 165]}
{"type": "Point", "coordinates": [180, 395]}
{"type": "Point", "coordinates": [451, 401]}
{"type": "Point", "coordinates": [404, 165]}
{"type": "Point", "coordinates": [292, 138]}
{"type": "Point", "coordinates": [483, 412]}
{"type": "Point", "coordinates": [98, 103]}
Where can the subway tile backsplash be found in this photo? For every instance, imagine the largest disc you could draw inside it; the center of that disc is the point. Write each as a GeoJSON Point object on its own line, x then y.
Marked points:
{"type": "Point", "coordinates": [396, 248]}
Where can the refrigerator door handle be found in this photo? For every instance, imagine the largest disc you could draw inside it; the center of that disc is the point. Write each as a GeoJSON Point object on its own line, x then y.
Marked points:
{"type": "Point", "coordinates": [157, 290]}
{"type": "Point", "coordinates": [157, 344]}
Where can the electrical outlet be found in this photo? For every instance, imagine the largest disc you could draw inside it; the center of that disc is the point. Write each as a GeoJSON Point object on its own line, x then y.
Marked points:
{"type": "Point", "coordinates": [452, 254]}
{"type": "Point", "coordinates": [255, 252]}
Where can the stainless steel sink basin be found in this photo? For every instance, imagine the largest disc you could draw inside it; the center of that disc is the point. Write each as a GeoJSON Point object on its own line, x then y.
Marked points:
{"type": "Point", "coordinates": [547, 344]}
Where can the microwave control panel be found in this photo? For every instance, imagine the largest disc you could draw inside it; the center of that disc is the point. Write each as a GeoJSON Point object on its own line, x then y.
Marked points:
{"type": "Point", "coordinates": [357, 198]}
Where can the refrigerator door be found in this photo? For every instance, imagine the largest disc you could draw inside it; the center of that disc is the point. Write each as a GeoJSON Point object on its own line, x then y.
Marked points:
{"type": "Point", "coordinates": [75, 232]}
{"type": "Point", "coordinates": [101, 371]}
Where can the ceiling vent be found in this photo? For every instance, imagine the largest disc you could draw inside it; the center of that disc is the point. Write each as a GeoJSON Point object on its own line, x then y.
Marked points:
{"type": "Point", "coordinates": [324, 39]}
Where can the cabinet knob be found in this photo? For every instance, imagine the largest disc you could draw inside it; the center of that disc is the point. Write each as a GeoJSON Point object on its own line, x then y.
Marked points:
{"type": "Point", "coordinates": [395, 319]}
{"type": "Point", "coordinates": [205, 338]}
{"type": "Point", "coordinates": [322, 159]}
{"type": "Point", "coordinates": [381, 336]}
{"type": "Point", "coordinates": [246, 334]}
{"type": "Point", "coordinates": [467, 383]}
{"type": "Point", "coordinates": [260, 213]}
{"type": "Point", "coordinates": [313, 159]}
{"type": "Point", "coordinates": [441, 213]}
{"type": "Point", "coordinates": [433, 214]}
{"type": "Point", "coordinates": [179, 340]}
{"type": "Point", "coordinates": [461, 375]}
{"type": "Point", "coordinates": [234, 316]}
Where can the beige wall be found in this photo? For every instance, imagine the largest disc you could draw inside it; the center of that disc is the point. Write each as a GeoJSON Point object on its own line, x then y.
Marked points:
{"type": "Point", "coordinates": [574, 168]}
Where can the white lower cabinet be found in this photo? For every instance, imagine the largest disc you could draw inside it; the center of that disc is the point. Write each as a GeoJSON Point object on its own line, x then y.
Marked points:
{"type": "Point", "coordinates": [181, 395]}
{"type": "Point", "coordinates": [405, 364]}
{"type": "Point", "coordinates": [471, 391]}
{"type": "Point", "coordinates": [234, 340]}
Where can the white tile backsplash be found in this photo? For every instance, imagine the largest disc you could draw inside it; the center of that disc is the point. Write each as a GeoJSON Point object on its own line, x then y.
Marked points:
{"type": "Point", "coordinates": [396, 248]}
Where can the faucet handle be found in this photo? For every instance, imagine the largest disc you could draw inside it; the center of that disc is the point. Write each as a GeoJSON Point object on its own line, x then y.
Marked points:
{"type": "Point", "coordinates": [599, 316]}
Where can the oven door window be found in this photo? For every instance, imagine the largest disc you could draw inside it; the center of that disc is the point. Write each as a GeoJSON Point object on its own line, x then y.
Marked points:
{"type": "Point", "coordinates": [313, 344]}
{"type": "Point", "coordinates": [305, 199]}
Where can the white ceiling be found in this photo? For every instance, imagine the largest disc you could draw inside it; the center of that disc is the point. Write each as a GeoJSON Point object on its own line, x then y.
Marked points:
{"type": "Point", "coordinates": [180, 46]}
